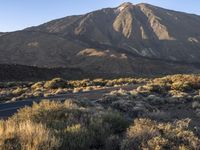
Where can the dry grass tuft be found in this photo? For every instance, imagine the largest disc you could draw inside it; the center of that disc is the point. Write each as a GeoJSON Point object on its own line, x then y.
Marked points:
{"type": "Point", "coordinates": [26, 136]}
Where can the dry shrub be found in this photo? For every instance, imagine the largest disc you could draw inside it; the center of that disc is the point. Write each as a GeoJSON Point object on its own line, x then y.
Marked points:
{"type": "Point", "coordinates": [119, 92]}
{"type": "Point", "coordinates": [18, 91]}
{"type": "Point", "coordinates": [26, 136]}
{"type": "Point", "coordinates": [104, 82]}
{"type": "Point", "coordinates": [148, 134]}
{"type": "Point", "coordinates": [77, 127]}
{"type": "Point", "coordinates": [56, 83]}
{"type": "Point", "coordinates": [81, 83]}
{"type": "Point", "coordinates": [37, 86]}
{"type": "Point", "coordinates": [160, 88]}
{"type": "Point", "coordinates": [181, 86]}
{"type": "Point", "coordinates": [99, 82]}
{"type": "Point", "coordinates": [181, 83]}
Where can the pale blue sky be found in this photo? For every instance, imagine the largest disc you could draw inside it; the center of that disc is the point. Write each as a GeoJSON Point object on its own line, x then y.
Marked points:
{"type": "Point", "coordinates": [19, 14]}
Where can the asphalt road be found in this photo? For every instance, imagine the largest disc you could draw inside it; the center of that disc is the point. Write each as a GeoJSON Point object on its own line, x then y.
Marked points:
{"type": "Point", "coordinates": [8, 109]}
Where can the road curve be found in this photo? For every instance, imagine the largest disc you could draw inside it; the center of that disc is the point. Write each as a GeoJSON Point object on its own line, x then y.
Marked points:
{"type": "Point", "coordinates": [8, 109]}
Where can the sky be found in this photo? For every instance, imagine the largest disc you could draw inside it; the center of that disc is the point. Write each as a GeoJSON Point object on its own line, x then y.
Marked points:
{"type": "Point", "coordinates": [19, 14]}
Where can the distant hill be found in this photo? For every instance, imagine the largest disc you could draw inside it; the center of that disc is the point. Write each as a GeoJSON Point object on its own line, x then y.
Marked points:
{"type": "Point", "coordinates": [128, 40]}
{"type": "Point", "coordinates": [28, 73]}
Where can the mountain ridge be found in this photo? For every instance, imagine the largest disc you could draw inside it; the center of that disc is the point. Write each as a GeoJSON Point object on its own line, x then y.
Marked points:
{"type": "Point", "coordinates": [109, 40]}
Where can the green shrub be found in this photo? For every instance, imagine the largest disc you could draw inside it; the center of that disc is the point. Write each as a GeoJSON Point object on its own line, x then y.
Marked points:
{"type": "Point", "coordinates": [116, 122]}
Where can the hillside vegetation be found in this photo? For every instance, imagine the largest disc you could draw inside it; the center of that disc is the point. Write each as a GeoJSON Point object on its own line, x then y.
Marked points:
{"type": "Point", "coordinates": [159, 114]}
{"type": "Point", "coordinates": [14, 91]}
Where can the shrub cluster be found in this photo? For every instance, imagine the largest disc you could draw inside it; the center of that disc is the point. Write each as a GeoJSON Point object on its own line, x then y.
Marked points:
{"type": "Point", "coordinates": [61, 83]}
{"type": "Point", "coordinates": [182, 83]}
{"type": "Point", "coordinates": [69, 125]}
{"type": "Point", "coordinates": [148, 134]}
{"type": "Point", "coordinates": [14, 91]}
{"type": "Point", "coordinates": [62, 125]}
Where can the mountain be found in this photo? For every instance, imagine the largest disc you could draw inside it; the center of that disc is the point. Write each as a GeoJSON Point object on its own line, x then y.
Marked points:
{"type": "Point", "coordinates": [128, 40]}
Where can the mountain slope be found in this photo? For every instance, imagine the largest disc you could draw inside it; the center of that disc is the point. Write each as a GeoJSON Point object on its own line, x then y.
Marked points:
{"type": "Point", "coordinates": [129, 39]}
